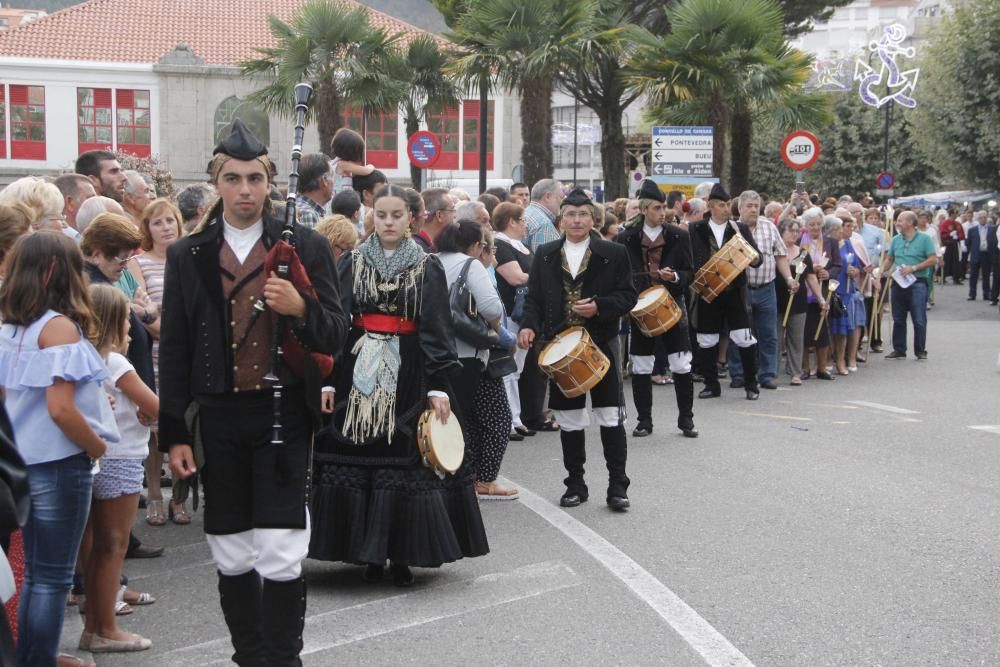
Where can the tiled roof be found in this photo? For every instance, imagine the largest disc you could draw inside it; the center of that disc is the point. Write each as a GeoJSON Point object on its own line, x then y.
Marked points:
{"type": "Point", "coordinates": [222, 32]}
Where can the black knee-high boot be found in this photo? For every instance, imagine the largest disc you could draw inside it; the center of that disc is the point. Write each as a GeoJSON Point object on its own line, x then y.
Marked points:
{"type": "Point", "coordinates": [284, 617]}
{"type": "Point", "coordinates": [684, 392]}
{"type": "Point", "coordinates": [615, 456]}
{"type": "Point", "coordinates": [642, 394]}
{"type": "Point", "coordinates": [748, 357]}
{"type": "Point", "coordinates": [707, 357]}
{"type": "Point", "coordinates": [574, 456]}
{"type": "Point", "coordinates": [240, 597]}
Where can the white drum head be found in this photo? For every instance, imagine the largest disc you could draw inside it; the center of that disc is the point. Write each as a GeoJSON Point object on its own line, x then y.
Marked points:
{"type": "Point", "coordinates": [650, 297]}
{"type": "Point", "coordinates": [448, 442]}
{"type": "Point", "coordinates": [561, 348]}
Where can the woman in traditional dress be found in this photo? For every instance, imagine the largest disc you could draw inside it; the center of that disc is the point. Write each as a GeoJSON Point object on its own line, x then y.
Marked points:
{"type": "Point", "coordinates": [373, 499]}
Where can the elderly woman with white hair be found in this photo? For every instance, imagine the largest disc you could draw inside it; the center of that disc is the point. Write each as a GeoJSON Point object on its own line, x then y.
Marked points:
{"type": "Point", "coordinates": [42, 198]}
{"type": "Point", "coordinates": [826, 261]}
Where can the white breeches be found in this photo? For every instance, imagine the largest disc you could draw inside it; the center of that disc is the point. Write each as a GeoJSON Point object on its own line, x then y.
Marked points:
{"type": "Point", "coordinates": [276, 553]}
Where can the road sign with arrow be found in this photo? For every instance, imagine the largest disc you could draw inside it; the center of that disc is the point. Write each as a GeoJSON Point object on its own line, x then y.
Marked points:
{"type": "Point", "coordinates": [681, 151]}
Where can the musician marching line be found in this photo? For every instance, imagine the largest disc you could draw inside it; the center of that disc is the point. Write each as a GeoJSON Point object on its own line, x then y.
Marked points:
{"type": "Point", "coordinates": [387, 320]}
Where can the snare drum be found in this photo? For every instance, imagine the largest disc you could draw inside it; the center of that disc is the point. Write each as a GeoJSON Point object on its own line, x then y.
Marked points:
{"type": "Point", "coordinates": [574, 362]}
{"type": "Point", "coordinates": [441, 445]}
{"type": "Point", "coordinates": [656, 311]}
{"type": "Point", "coordinates": [724, 267]}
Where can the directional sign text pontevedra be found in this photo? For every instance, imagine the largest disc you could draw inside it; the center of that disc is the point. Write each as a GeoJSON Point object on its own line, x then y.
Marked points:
{"type": "Point", "coordinates": [682, 151]}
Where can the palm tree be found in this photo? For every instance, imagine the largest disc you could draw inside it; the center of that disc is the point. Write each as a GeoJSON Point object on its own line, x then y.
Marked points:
{"type": "Point", "coordinates": [336, 49]}
{"type": "Point", "coordinates": [726, 63]}
{"type": "Point", "coordinates": [427, 89]}
{"type": "Point", "coordinates": [596, 79]}
{"type": "Point", "coordinates": [522, 45]}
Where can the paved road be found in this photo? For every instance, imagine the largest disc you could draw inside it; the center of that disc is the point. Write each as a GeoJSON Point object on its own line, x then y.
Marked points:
{"type": "Point", "coordinates": [839, 523]}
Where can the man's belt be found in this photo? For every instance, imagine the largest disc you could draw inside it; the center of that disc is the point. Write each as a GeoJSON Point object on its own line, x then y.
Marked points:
{"type": "Point", "coordinates": [386, 324]}
{"type": "Point", "coordinates": [760, 286]}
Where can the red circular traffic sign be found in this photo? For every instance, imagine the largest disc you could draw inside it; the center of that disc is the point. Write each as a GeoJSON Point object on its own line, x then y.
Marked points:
{"type": "Point", "coordinates": [800, 149]}
{"type": "Point", "coordinates": [424, 149]}
{"type": "Point", "coordinates": [885, 180]}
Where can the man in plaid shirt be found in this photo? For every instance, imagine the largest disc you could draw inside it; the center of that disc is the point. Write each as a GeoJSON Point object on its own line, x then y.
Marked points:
{"type": "Point", "coordinates": [315, 189]}
{"type": "Point", "coordinates": [763, 300]}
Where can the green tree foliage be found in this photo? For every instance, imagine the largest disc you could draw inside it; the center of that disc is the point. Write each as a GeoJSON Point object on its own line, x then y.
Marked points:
{"type": "Point", "coordinates": [336, 49]}
{"type": "Point", "coordinates": [850, 155]}
{"type": "Point", "coordinates": [957, 119]}
{"type": "Point", "coordinates": [427, 89]}
{"type": "Point", "coordinates": [726, 63]}
{"type": "Point", "coordinates": [523, 45]}
{"type": "Point", "coordinates": [801, 15]}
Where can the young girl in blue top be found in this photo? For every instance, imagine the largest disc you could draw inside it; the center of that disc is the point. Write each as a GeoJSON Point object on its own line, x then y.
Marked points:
{"type": "Point", "coordinates": [62, 420]}
{"type": "Point", "coordinates": [118, 483]}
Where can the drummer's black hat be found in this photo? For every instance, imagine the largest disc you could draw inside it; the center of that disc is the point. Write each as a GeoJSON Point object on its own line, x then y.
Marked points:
{"type": "Point", "coordinates": [577, 197]}
{"type": "Point", "coordinates": [650, 190]}
{"type": "Point", "coordinates": [241, 143]}
{"type": "Point", "coordinates": [718, 192]}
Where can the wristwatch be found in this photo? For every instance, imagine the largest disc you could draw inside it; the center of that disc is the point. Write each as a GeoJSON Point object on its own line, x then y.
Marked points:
{"type": "Point", "coordinates": [147, 318]}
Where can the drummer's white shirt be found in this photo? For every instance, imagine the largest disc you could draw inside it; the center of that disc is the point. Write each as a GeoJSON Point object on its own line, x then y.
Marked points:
{"type": "Point", "coordinates": [718, 230]}
{"type": "Point", "coordinates": [574, 254]}
{"type": "Point", "coordinates": [652, 232]}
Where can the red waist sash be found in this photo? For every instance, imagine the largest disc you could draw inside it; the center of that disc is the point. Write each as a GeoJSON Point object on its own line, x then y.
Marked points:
{"type": "Point", "coordinates": [387, 324]}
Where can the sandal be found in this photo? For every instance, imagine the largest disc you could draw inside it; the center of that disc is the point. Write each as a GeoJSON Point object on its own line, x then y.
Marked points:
{"type": "Point", "coordinates": [138, 599]}
{"type": "Point", "coordinates": [179, 513]}
{"type": "Point", "coordinates": [494, 491]}
{"type": "Point", "coordinates": [155, 516]}
{"type": "Point", "coordinates": [796, 381]}
{"type": "Point", "coordinates": [67, 660]}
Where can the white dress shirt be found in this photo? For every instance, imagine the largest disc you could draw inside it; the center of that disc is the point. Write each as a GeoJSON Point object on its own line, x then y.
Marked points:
{"type": "Point", "coordinates": [575, 253]}
{"type": "Point", "coordinates": [242, 241]}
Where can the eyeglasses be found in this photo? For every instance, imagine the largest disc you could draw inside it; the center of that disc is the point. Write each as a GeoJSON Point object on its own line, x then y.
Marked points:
{"type": "Point", "coordinates": [489, 250]}
{"type": "Point", "coordinates": [119, 260]}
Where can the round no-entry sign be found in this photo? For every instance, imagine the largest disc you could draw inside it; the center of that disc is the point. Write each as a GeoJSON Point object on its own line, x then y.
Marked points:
{"type": "Point", "coordinates": [800, 149]}
{"type": "Point", "coordinates": [424, 149]}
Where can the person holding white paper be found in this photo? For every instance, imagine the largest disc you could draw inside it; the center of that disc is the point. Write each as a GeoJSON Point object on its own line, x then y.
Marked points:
{"type": "Point", "coordinates": [911, 253]}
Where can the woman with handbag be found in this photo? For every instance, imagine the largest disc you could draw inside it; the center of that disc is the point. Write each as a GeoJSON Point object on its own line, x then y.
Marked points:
{"type": "Point", "coordinates": [491, 412]}
{"type": "Point", "coordinates": [373, 499]}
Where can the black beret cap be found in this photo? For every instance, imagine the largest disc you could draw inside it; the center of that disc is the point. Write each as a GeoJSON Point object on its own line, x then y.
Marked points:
{"type": "Point", "coordinates": [718, 192]}
{"type": "Point", "coordinates": [577, 198]}
{"type": "Point", "coordinates": [240, 144]}
{"type": "Point", "coordinates": [650, 190]}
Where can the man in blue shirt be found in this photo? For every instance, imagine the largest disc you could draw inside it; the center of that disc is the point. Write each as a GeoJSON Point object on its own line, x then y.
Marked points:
{"type": "Point", "coordinates": [913, 252]}
{"type": "Point", "coordinates": [546, 198]}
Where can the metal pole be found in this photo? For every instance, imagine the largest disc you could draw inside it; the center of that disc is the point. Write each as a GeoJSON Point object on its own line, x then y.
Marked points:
{"type": "Point", "coordinates": [576, 122]}
{"type": "Point", "coordinates": [885, 139]}
{"type": "Point", "coordinates": [484, 90]}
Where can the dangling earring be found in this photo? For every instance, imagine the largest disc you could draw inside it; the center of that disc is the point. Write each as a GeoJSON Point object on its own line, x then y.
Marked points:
{"type": "Point", "coordinates": [407, 233]}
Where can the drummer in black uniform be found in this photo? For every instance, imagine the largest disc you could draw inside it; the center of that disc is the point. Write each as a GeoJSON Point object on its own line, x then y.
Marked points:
{"type": "Point", "coordinates": [659, 254]}
{"type": "Point", "coordinates": [582, 280]}
{"type": "Point", "coordinates": [215, 349]}
{"type": "Point", "coordinates": [732, 307]}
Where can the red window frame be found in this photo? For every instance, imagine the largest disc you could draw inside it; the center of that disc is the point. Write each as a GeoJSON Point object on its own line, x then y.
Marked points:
{"type": "Point", "coordinates": [133, 122]}
{"type": "Point", "coordinates": [3, 122]}
{"type": "Point", "coordinates": [27, 122]}
{"type": "Point", "coordinates": [381, 136]}
{"type": "Point", "coordinates": [445, 125]}
{"type": "Point", "coordinates": [95, 122]}
{"type": "Point", "coordinates": [470, 134]}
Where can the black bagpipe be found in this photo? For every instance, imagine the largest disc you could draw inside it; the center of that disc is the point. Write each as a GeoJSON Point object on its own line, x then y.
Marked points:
{"type": "Point", "coordinates": [284, 261]}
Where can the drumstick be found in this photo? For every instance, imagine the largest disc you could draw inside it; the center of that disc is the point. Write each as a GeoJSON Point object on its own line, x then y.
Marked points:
{"type": "Point", "coordinates": [832, 285]}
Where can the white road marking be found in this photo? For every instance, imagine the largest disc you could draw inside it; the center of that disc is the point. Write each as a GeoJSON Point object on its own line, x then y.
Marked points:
{"type": "Point", "coordinates": [368, 620]}
{"type": "Point", "coordinates": [885, 408]}
{"type": "Point", "coordinates": [695, 630]}
{"type": "Point", "coordinates": [989, 429]}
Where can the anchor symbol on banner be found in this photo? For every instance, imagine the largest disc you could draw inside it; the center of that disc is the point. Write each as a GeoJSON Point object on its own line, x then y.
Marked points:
{"type": "Point", "coordinates": [901, 84]}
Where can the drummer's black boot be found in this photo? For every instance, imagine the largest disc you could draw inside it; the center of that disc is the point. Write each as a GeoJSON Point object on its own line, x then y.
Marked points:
{"type": "Point", "coordinates": [642, 394]}
{"type": "Point", "coordinates": [615, 456]}
{"type": "Point", "coordinates": [240, 597]}
{"type": "Point", "coordinates": [748, 357]}
{"type": "Point", "coordinates": [574, 456]}
{"type": "Point", "coordinates": [284, 616]}
{"type": "Point", "coordinates": [684, 391]}
{"type": "Point", "coordinates": [706, 359]}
